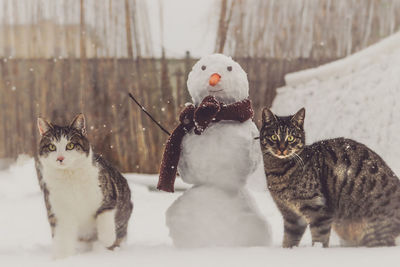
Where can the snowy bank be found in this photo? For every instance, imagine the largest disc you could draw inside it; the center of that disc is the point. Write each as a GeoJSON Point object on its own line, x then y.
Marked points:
{"type": "Point", "coordinates": [362, 104]}
{"type": "Point", "coordinates": [357, 61]}
{"type": "Point", "coordinates": [25, 235]}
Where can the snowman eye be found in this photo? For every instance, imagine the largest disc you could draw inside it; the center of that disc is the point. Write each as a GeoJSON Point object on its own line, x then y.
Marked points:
{"type": "Point", "coordinates": [203, 67]}
{"type": "Point", "coordinates": [229, 68]}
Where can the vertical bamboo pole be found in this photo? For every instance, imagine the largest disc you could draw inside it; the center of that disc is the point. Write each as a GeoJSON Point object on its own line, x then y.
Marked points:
{"type": "Point", "coordinates": [82, 56]}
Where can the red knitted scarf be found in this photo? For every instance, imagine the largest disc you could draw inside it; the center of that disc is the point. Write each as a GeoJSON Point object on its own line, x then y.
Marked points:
{"type": "Point", "coordinates": [209, 110]}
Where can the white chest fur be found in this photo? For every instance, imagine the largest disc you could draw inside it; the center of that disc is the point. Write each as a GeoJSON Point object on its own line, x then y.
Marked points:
{"type": "Point", "coordinates": [223, 155]}
{"type": "Point", "coordinates": [75, 194]}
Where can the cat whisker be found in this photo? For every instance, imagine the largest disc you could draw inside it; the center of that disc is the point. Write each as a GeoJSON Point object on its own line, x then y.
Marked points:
{"type": "Point", "coordinates": [299, 160]}
{"type": "Point", "coordinates": [294, 158]}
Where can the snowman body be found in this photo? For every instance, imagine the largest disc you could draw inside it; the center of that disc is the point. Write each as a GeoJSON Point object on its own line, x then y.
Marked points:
{"type": "Point", "coordinates": [206, 215]}
{"type": "Point", "coordinates": [222, 156]}
{"type": "Point", "coordinates": [218, 210]}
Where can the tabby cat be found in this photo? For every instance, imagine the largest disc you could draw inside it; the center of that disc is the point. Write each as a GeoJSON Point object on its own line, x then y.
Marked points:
{"type": "Point", "coordinates": [337, 183]}
{"type": "Point", "coordinates": [86, 198]}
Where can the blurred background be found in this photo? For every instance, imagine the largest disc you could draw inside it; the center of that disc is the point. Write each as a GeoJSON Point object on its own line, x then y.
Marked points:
{"type": "Point", "coordinates": [62, 57]}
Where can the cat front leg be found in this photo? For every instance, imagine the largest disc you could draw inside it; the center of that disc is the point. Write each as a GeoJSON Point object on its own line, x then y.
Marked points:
{"type": "Point", "coordinates": [64, 240]}
{"type": "Point", "coordinates": [106, 233]}
{"type": "Point", "coordinates": [320, 221]}
{"type": "Point", "coordinates": [319, 217]}
{"type": "Point", "coordinates": [294, 226]}
{"type": "Point", "coordinates": [320, 228]}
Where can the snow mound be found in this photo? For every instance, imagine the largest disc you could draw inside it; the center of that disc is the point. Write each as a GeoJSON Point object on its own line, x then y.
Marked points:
{"type": "Point", "coordinates": [19, 180]}
{"type": "Point", "coordinates": [341, 67]}
{"type": "Point", "coordinates": [357, 97]}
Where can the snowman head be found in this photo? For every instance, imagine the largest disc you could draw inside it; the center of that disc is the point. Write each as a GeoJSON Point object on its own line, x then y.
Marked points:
{"type": "Point", "coordinates": [219, 76]}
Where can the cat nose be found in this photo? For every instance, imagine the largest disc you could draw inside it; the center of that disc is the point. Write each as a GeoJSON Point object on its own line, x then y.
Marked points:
{"type": "Point", "coordinates": [60, 158]}
{"type": "Point", "coordinates": [282, 147]}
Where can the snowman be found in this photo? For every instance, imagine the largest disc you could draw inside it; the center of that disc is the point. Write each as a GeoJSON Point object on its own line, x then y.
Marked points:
{"type": "Point", "coordinates": [214, 148]}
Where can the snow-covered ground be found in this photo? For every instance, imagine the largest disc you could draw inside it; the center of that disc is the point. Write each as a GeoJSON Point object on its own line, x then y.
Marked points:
{"type": "Point", "coordinates": [25, 234]}
{"type": "Point", "coordinates": [356, 97]}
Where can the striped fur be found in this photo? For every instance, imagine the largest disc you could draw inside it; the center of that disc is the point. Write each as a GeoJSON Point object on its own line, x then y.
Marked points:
{"type": "Point", "coordinates": [337, 183]}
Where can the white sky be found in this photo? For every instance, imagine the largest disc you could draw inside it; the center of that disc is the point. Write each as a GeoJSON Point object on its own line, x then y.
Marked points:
{"type": "Point", "coordinates": [188, 26]}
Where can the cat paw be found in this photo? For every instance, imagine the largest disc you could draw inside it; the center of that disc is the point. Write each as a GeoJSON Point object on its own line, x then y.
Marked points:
{"type": "Point", "coordinates": [289, 245]}
{"type": "Point", "coordinates": [63, 245]}
{"type": "Point", "coordinates": [107, 238]}
{"type": "Point", "coordinates": [317, 244]}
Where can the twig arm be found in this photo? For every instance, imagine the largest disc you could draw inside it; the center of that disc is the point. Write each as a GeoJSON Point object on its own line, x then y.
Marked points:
{"type": "Point", "coordinates": [148, 114]}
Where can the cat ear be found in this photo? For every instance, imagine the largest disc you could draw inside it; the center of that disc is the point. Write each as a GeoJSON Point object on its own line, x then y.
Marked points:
{"type": "Point", "coordinates": [43, 126]}
{"type": "Point", "coordinates": [267, 116]}
{"type": "Point", "coordinates": [298, 118]}
{"type": "Point", "coordinates": [79, 123]}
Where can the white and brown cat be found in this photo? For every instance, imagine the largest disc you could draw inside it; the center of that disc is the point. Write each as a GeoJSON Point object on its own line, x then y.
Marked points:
{"type": "Point", "coordinates": [86, 198]}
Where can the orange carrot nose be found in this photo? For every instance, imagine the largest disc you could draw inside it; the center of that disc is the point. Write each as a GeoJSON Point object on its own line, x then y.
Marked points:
{"type": "Point", "coordinates": [214, 79]}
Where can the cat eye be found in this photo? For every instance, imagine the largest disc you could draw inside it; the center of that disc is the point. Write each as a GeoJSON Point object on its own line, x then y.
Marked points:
{"type": "Point", "coordinates": [274, 137]}
{"type": "Point", "coordinates": [70, 146]}
{"type": "Point", "coordinates": [229, 68]}
{"type": "Point", "coordinates": [52, 147]}
{"type": "Point", "coordinates": [203, 67]}
{"type": "Point", "coordinates": [290, 138]}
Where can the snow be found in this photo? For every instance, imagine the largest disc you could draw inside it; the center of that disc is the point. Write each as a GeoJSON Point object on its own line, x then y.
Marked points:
{"type": "Point", "coordinates": [371, 55]}
{"type": "Point", "coordinates": [357, 97]}
{"type": "Point", "coordinates": [209, 216]}
{"type": "Point", "coordinates": [223, 155]}
{"type": "Point", "coordinates": [25, 234]}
